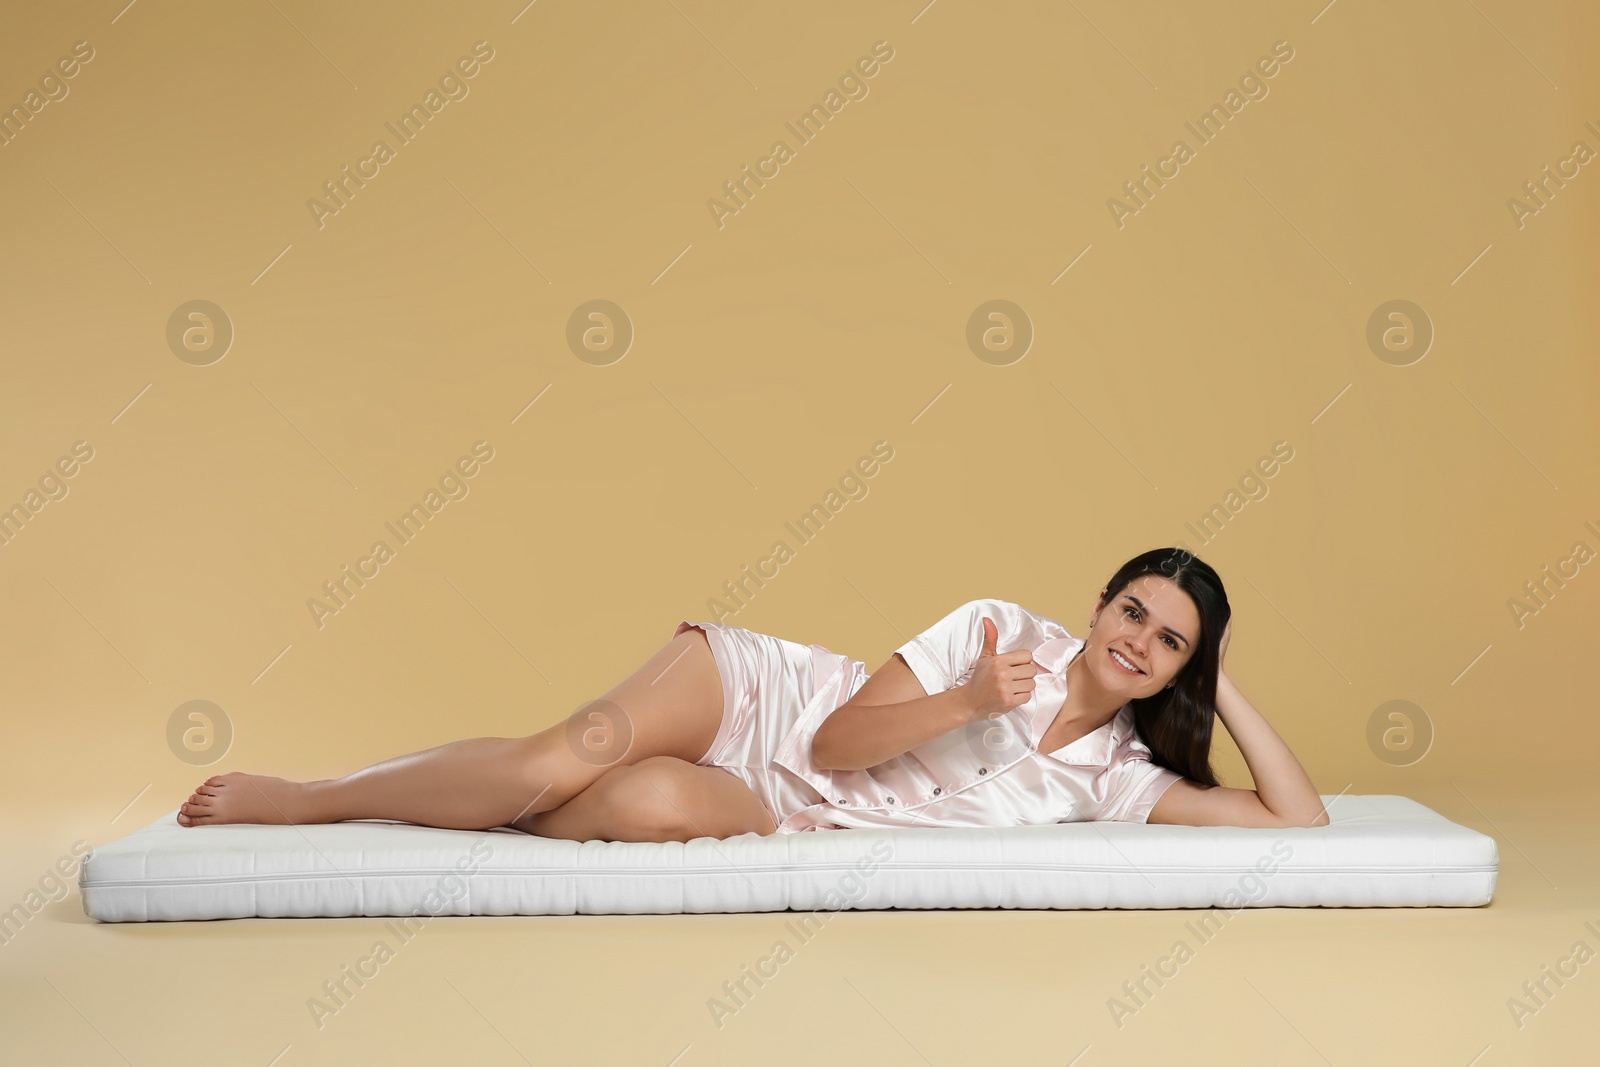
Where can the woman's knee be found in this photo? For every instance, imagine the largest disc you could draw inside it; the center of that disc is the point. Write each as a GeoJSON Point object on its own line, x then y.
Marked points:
{"type": "Point", "coordinates": [654, 793]}
{"type": "Point", "coordinates": [625, 803]}
{"type": "Point", "coordinates": [686, 800]}
{"type": "Point", "coordinates": [554, 766]}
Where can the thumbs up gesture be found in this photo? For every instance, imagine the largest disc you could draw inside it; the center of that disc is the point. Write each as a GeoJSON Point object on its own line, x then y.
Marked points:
{"type": "Point", "coordinates": [1000, 680]}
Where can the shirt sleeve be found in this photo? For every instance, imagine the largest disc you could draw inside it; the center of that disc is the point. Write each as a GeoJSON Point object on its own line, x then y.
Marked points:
{"type": "Point", "coordinates": [1136, 785]}
{"type": "Point", "coordinates": [943, 655]}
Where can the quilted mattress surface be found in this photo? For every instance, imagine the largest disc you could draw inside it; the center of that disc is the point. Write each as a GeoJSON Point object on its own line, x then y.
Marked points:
{"type": "Point", "coordinates": [1378, 851]}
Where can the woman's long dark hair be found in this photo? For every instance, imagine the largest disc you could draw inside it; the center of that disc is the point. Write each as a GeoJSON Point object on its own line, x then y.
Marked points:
{"type": "Point", "coordinates": [1176, 723]}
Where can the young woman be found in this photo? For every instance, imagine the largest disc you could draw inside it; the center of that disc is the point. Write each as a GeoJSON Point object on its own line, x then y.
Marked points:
{"type": "Point", "coordinates": [994, 716]}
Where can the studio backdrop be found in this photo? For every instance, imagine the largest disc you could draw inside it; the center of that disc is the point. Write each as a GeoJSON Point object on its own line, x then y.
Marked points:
{"type": "Point", "coordinates": [377, 376]}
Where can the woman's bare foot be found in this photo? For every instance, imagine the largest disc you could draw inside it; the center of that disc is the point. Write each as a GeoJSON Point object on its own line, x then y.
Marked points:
{"type": "Point", "coordinates": [236, 797]}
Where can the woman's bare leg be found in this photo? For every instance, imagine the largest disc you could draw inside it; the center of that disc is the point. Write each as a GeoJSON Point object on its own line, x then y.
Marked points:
{"type": "Point", "coordinates": [670, 706]}
{"type": "Point", "coordinates": [658, 799]}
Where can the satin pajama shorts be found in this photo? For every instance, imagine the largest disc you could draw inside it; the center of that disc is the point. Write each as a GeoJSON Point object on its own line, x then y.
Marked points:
{"type": "Point", "coordinates": [766, 683]}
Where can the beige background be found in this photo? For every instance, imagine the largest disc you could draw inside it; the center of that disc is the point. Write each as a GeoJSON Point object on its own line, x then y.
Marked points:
{"type": "Point", "coordinates": [829, 313]}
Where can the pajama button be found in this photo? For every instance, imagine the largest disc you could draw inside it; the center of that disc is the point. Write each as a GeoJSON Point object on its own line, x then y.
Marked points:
{"type": "Point", "coordinates": [891, 800]}
{"type": "Point", "coordinates": [936, 792]}
{"type": "Point", "coordinates": [983, 770]}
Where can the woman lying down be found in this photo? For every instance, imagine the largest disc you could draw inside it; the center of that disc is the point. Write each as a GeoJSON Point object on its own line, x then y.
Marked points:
{"type": "Point", "coordinates": [993, 716]}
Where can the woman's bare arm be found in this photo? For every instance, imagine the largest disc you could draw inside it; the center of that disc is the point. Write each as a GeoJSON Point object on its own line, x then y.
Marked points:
{"type": "Point", "coordinates": [1284, 794]}
{"type": "Point", "coordinates": [889, 715]}
{"type": "Point", "coordinates": [1281, 782]}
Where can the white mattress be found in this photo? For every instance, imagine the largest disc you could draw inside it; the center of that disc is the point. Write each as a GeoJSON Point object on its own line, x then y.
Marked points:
{"type": "Point", "coordinates": [1378, 851]}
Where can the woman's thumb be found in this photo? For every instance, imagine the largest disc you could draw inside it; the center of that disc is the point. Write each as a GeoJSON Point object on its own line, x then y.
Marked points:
{"type": "Point", "coordinates": [990, 635]}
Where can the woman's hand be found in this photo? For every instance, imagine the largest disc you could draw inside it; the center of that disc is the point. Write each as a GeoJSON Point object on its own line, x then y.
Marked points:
{"type": "Point", "coordinates": [1222, 646]}
{"type": "Point", "coordinates": [1000, 681]}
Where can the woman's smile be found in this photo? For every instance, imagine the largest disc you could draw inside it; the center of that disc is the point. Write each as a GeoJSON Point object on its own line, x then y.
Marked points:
{"type": "Point", "coordinates": [1123, 663]}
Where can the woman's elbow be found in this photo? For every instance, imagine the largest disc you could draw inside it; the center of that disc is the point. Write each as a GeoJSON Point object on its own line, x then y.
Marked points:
{"type": "Point", "coordinates": [821, 760]}
{"type": "Point", "coordinates": [1320, 818]}
{"type": "Point", "coordinates": [819, 751]}
{"type": "Point", "coordinates": [825, 758]}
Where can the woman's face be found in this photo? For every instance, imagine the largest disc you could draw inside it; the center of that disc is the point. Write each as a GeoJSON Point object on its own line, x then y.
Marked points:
{"type": "Point", "coordinates": [1152, 624]}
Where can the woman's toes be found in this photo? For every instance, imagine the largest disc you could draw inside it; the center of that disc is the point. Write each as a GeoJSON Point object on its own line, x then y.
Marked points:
{"type": "Point", "coordinates": [207, 790]}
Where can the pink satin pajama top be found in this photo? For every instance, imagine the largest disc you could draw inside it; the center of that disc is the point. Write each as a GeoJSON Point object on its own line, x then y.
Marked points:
{"type": "Point", "coordinates": [990, 772]}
